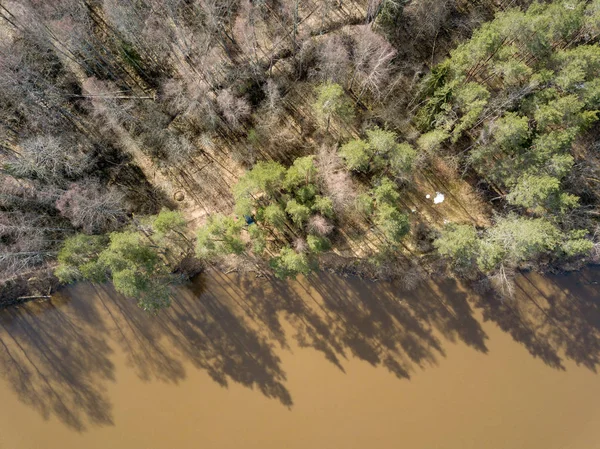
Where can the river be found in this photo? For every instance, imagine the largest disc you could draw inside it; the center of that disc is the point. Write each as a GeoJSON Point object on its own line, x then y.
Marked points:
{"type": "Point", "coordinates": [323, 362]}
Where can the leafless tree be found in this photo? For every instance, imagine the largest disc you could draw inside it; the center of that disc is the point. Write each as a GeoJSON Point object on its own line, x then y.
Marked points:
{"type": "Point", "coordinates": [52, 158]}
{"type": "Point", "coordinates": [412, 277]}
{"type": "Point", "coordinates": [234, 109]}
{"type": "Point", "coordinates": [373, 55]}
{"type": "Point", "coordinates": [91, 207]}
{"type": "Point", "coordinates": [428, 16]}
{"type": "Point", "coordinates": [300, 245]}
{"type": "Point", "coordinates": [103, 99]}
{"type": "Point", "coordinates": [26, 241]}
{"type": "Point", "coordinates": [334, 60]}
{"type": "Point", "coordinates": [273, 100]}
{"type": "Point", "coordinates": [335, 179]}
{"type": "Point", "coordinates": [21, 194]}
{"type": "Point", "coordinates": [503, 282]}
{"type": "Point", "coordinates": [244, 32]}
{"type": "Point", "coordinates": [318, 224]}
{"type": "Point", "coordinates": [178, 149]}
{"type": "Point", "coordinates": [373, 8]}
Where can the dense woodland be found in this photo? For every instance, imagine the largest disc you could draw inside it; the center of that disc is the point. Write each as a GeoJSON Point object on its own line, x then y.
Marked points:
{"type": "Point", "coordinates": [142, 141]}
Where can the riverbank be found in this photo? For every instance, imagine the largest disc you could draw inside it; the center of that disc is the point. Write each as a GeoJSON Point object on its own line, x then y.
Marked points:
{"type": "Point", "coordinates": [42, 284]}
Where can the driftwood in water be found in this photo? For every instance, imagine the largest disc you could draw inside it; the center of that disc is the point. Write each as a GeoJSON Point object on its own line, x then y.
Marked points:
{"type": "Point", "coordinates": [34, 297]}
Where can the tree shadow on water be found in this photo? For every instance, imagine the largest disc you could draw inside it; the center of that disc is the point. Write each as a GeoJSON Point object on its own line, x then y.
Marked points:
{"type": "Point", "coordinates": [213, 337]}
{"type": "Point", "coordinates": [58, 356]}
{"type": "Point", "coordinates": [198, 328]}
{"type": "Point", "coordinates": [369, 321]}
{"type": "Point", "coordinates": [555, 317]}
{"type": "Point", "coordinates": [140, 337]}
{"type": "Point", "coordinates": [396, 325]}
{"type": "Point", "coordinates": [58, 362]}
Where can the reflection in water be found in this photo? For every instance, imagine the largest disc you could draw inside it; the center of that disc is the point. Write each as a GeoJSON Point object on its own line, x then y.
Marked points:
{"type": "Point", "coordinates": [61, 357]}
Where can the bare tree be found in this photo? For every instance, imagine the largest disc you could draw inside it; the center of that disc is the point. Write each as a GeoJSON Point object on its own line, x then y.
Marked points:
{"type": "Point", "coordinates": [427, 16]}
{"type": "Point", "coordinates": [373, 55]}
{"type": "Point", "coordinates": [178, 149]}
{"type": "Point", "coordinates": [185, 96]}
{"type": "Point", "coordinates": [502, 282]}
{"type": "Point", "coordinates": [244, 31]}
{"type": "Point", "coordinates": [318, 224]}
{"type": "Point", "coordinates": [26, 241]}
{"type": "Point", "coordinates": [21, 194]}
{"type": "Point", "coordinates": [273, 100]}
{"type": "Point", "coordinates": [335, 179]}
{"type": "Point", "coordinates": [234, 109]}
{"type": "Point", "coordinates": [91, 207]}
{"type": "Point", "coordinates": [300, 245]}
{"type": "Point", "coordinates": [104, 101]}
{"type": "Point", "coordinates": [334, 60]}
{"type": "Point", "coordinates": [52, 158]}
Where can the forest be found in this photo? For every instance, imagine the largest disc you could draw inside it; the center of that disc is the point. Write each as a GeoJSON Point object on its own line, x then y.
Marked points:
{"type": "Point", "coordinates": [144, 141]}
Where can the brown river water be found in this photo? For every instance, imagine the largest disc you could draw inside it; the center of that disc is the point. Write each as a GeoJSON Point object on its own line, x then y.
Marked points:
{"type": "Point", "coordinates": [322, 362]}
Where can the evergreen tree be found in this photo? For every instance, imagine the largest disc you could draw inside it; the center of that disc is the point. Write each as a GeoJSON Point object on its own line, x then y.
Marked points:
{"type": "Point", "coordinates": [402, 160]}
{"type": "Point", "coordinates": [386, 192]}
{"type": "Point", "coordinates": [258, 237]}
{"type": "Point", "coordinates": [265, 177]}
{"type": "Point", "coordinates": [221, 235]}
{"type": "Point", "coordinates": [78, 259]}
{"type": "Point", "coordinates": [541, 193]}
{"type": "Point", "coordinates": [318, 244]}
{"type": "Point", "coordinates": [275, 216]}
{"type": "Point", "coordinates": [137, 270]}
{"type": "Point", "coordinates": [289, 264]}
{"type": "Point", "coordinates": [297, 212]}
{"type": "Point", "coordinates": [356, 154]}
{"type": "Point", "coordinates": [459, 243]}
{"type": "Point", "coordinates": [302, 172]}
{"type": "Point", "coordinates": [332, 102]}
{"type": "Point", "coordinates": [394, 224]}
{"type": "Point", "coordinates": [323, 205]}
{"type": "Point", "coordinates": [513, 240]}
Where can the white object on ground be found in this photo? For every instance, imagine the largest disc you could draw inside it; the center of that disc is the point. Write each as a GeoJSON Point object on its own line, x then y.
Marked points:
{"type": "Point", "coordinates": [439, 198]}
{"type": "Point", "coordinates": [428, 196]}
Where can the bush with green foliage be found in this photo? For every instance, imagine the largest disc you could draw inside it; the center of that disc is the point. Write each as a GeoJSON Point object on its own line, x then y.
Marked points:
{"type": "Point", "coordinates": [219, 236]}
{"type": "Point", "coordinates": [381, 150]}
{"type": "Point", "coordinates": [333, 102]}
{"type": "Point", "coordinates": [509, 243]}
{"type": "Point", "coordinates": [289, 264]}
{"type": "Point", "coordinates": [393, 224]}
{"type": "Point", "coordinates": [138, 261]}
{"type": "Point", "coordinates": [458, 243]}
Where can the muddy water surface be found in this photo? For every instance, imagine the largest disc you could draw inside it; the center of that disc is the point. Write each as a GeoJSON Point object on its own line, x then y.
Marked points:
{"type": "Point", "coordinates": [324, 362]}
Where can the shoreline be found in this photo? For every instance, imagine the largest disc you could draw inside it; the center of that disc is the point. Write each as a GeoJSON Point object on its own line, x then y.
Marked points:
{"type": "Point", "coordinates": [42, 284]}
